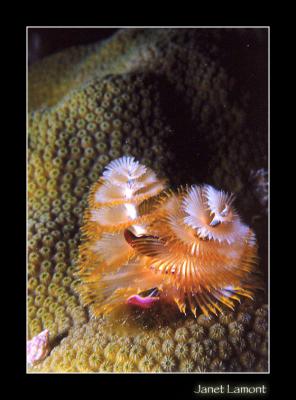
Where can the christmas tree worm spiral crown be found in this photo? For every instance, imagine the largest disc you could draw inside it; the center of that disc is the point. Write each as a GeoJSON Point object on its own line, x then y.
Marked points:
{"type": "Point", "coordinates": [145, 244]}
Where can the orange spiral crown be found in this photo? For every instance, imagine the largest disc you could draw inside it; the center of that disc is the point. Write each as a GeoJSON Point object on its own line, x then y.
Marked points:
{"type": "Point", "coordinates": [143, 244]}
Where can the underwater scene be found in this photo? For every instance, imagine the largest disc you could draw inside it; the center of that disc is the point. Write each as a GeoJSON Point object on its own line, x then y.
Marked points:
{"type": "Point", "coordinates": [147, 184]}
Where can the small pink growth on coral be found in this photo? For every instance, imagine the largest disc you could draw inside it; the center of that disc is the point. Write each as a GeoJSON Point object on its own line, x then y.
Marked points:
{"type": "Point", "coordinates": [142, 302]}
{"type": "Point", "coordinates": [37, 348]}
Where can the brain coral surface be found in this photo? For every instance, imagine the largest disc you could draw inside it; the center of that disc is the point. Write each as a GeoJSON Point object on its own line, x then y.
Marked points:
{"type": "Point", "coordinates": [168, 98]}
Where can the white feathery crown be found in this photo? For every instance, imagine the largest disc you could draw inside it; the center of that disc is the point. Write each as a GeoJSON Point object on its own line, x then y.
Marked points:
{"type": "Point", "coordinates": [123, 170]}
{"type": "Point", "coordinates": [209, 211]}
{"type": "Point", "coordinates": [219, 203]}
{"type": "Point", "coordinates": [126, 179]}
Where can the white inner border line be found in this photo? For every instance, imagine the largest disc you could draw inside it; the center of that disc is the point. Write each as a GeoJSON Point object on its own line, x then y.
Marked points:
{"type": "Point", "coordinates": [268, 133]}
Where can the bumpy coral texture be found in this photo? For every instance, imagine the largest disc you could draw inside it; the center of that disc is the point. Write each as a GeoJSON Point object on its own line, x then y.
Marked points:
{"type": "Point", "coordinates": [160, 95]}
{"type": "Point", "coordinates": [158, 342]}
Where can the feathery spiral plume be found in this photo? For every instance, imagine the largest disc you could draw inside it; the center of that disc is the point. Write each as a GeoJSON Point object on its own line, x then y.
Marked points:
{"type": "Point", "coordinates": [144, 245]}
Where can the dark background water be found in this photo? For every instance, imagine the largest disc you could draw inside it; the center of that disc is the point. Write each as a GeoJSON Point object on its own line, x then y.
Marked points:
{"type": "Point", "coordinates": [45, 41]}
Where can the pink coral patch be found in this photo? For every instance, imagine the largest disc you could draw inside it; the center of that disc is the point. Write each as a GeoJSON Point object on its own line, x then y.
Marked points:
{"type": "Point", "coordinates": [37, 348]}
{"type": "Point", "coordinates": [142, 302]}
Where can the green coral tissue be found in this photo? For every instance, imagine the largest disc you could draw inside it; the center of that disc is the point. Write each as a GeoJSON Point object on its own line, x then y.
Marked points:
{"type": "Point", "coordinates": [175, 100]}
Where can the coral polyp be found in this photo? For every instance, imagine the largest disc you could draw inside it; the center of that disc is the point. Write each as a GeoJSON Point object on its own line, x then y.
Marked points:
{"type": "Point", "coordinates": [144, 244]}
